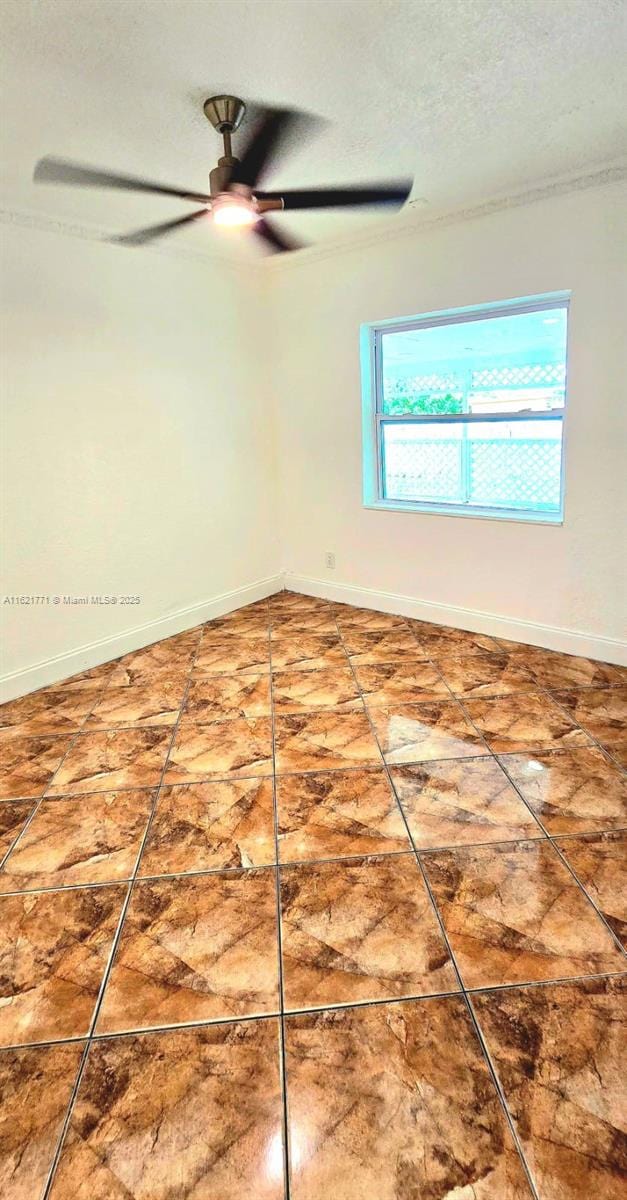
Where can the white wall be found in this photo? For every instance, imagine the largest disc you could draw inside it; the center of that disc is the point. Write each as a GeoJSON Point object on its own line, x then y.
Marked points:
{"type": "Point", "coordinates": [137, 448]}
{"type": "Point", "coordinates": [560, 578]}
{"type": "Point", "coordinates": [139, 452]}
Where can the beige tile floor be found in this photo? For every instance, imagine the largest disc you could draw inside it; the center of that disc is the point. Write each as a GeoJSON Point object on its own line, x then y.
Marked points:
{"type": "Point", "coordinates": [315, 901]}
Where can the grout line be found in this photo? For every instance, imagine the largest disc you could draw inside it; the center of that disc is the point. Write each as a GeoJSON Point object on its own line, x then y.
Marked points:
{"type": "Point", "coordinates": [551, 839]}
{"type": "Point", "coordinates": [367, 766]}
{"type": "Point", "coordinates": [484, 990]}
{"type": "Point", "coordinates": [548, 836]}
{"type": "Point", "coordinates": [147, 1030]}
{"type": "Point", "coordinates": [272, 1014]}
{"type": "Point", "coordinates": [279, 931]}
{"type": "Point", "coordinates": [586, 834]}
{"type": "Point", "coordinates": [66, 1121]}
{"type": "Point", "coordinates": [297, 863]}
{"type": "Point", "coordinates": [140, 851]}
{"type": "Point", "coordinates": [495, 1079]}
{"type": "Point", "coordinates": [595, 742]}
{"type": "Point", "coordinates": [558, 981]}
{"type": "Point", "coordinates": [39, 800]}
{"type": "Point", "coordinates": [112, 954]}
{"type": "Point", "coordinates": [501, 1094]}
{"type": "Point", "coordinates": [66, 1041]}
{"type": "Point", "coordinates": [292, 863]}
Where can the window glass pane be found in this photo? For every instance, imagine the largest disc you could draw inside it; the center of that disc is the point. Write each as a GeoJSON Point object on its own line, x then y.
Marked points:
{"type": "Point", "coordinates": [505, 464]}
{"type": "Point", "coordinates": [510, 363]}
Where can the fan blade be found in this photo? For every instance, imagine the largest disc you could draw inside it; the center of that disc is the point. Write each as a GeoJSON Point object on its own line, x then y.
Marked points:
{"type": "Point", "coordinates": [278, 241]}
{"type": "Point", "coordinates": [59, 170]}
{"type": "Point", "coordinates": [261, 152]}
{"type": "Point", "coordinates": [140, 236]}
{"type": "Point", "coordinates": [374, 193]}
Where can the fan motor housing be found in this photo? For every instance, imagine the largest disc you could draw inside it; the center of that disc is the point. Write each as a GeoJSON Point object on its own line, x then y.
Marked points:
{"type": "Point", "coordinates": [219, 177]}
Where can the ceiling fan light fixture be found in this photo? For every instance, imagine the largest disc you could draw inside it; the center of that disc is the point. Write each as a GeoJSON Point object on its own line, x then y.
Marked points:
{"type": "Point", "coordinates": [233, 211]}
{"type": "Point", "coordinates": [233, 200]}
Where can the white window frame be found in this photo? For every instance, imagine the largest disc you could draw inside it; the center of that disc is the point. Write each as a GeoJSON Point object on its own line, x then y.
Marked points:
{"type": "Point", "coordinates": [373, 417]}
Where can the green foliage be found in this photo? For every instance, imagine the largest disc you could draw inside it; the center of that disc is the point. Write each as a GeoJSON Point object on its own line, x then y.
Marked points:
{"type": "Point", "coordinates": [402, 398]}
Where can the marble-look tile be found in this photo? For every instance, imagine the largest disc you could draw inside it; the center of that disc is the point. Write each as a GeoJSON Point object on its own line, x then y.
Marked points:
{"type": "Point", "coordinates": [366, 619]}
{"type": "Point", "coordinates": [381, 646]}
{"type": "Point", "coordinates": [303, 652]}
{"type": "Point", "coordinates": [140, 674]}
{"type": "Point", "coordinates": [91, 839]}
{"type": "Point", "coordinates": [310, 621]}
{"type": "Point", "coordinates": [306, 691]}
{"type": "Point", "coordinates": [360, 930]}
{"type": "Point", "coordinates": [249, 622]}
{"type": "Point", "coordinates": [439, 640]}
{"type": "Point", "coordinates": [603, 713]}
{"type": "Point", "coordinates": [227, 656]}
{"type": "Point", "coordinates": [242, 746]}
{"type": "Point", "coordinates": [127, 707]}
{"type": "Point", "coordinates": [205, 826]}
{"type": "Point", "coordinates": [51, 710]}
{"type": "Point", "coordinates": [571, 791]}
{"type": "Point", "coordinates": [335, 814]}
{"type": "Point", "coordinates": [190, 1114]}
{"type": "Point", "coordinates": [553, 670]}
{"type": "Point", "coordinates": [35, 1086]}
{"type": "Point", "coordinates": [257, 606]}
{"type": "Point", "coordinates": [119, 758]}
{"type": "Point", "coordinates": [461, 801]}
{"type": "Point", "coordinates": [391, 683]}
{"type": "Point", "coordinates": [483, 674]}
{"type": "Point", "coordinates": [421, 732]}
{"type": "Point", "coordinates": [324, 741]}
{"type": "Point", "coordinates": [559, 1052]}
{"type": "Point", "coordinates": [13, 817]}
{"type": "Point", "coordinates": [94, 677]}
{"type": "Point", "coordinates": [27, 764]}
{"type": "Point", "coordinates": [222, 697]}
{"type": "Point", "coordinates": [173, 655]}
{"type": "Point", "coordinates": [54, 948]}
{"type": "Point", "coordinates": [195, 948]}
{"type": "Point", "coordinates": [514, 914]}
{"type": "Point", "coordinates": [599, 861]}
{"type": "Point", "coordinates": [532, 721]}
{"type": "Point", "coordinates": [396, 1102]}
{"type": "Point", "coordinates": [508, 646]}
{"type": "Point", "coordinates": [289, 601]}
{"type": "Point", "coordinates": [252, 629]}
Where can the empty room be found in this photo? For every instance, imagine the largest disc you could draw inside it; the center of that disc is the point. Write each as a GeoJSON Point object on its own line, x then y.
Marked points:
{"type": "Point", "coordinates": [313, 667]}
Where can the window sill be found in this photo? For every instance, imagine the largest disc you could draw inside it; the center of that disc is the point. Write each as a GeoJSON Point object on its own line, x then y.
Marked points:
{"type": "Point", "coordinates": [452, 510]}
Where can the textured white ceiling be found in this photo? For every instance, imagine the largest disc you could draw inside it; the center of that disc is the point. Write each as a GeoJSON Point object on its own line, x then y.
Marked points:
{"type": "Point", "coordinates": [474, 98]}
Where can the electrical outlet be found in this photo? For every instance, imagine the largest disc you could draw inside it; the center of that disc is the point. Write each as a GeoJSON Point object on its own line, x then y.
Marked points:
{"type": "Point", "coordinates": [329, 560]}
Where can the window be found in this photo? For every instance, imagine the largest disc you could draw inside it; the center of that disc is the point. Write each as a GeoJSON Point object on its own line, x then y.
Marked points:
{"type": "Point", "coordinates": [464, 411]}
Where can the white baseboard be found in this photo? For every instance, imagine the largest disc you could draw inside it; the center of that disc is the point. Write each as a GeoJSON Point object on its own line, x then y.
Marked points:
{"type": "Point", "coordinates": [571, 641]}
{"type": "Point", "coordinates": [53, 670]}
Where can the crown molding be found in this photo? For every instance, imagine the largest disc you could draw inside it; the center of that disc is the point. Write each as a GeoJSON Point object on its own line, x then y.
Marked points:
{"type": "Point", "coordinates": [409, 224]}
{"type": "Point", "coordinates": [44, 223]}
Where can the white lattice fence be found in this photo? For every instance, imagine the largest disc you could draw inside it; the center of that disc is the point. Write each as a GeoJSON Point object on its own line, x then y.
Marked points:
{"type": "Point", "coordinates": [428, 470]}
{"type": "Point", "coordinates": [531, 375]}
{"type": "Point", "coordinates": [519, 473]}
{"type": "Point", "coordinates": [511, 473]}
{"type": "Point", "coordinates": [429, 384]}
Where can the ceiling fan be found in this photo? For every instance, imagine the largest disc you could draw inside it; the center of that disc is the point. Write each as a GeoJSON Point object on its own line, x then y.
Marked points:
{"type": "Point", "coordinates": [234, 198]}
